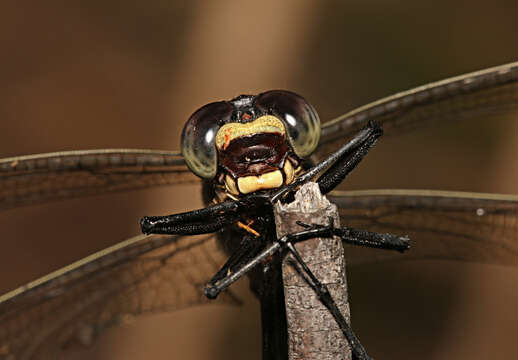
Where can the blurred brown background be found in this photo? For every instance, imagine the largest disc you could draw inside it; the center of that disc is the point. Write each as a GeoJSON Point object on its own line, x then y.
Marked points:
{"type": "Point", "coordinates": [105, 74]}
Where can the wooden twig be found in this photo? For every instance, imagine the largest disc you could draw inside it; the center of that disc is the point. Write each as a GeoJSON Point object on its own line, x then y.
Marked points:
{"type": "Point", "coordinates": [312, 331]}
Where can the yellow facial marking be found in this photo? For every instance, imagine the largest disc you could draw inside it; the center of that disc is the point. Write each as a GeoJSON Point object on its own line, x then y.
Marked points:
{"type": "Point", "coordinates": [230, 185]}
{"type": "Point", "coordinates": [270, 180]}
{"type": "Point", "coordinates": [289, 172]}
{"type": "Point", "coordinates": [263, 124]}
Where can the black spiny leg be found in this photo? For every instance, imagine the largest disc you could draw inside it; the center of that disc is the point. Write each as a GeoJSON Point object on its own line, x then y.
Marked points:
{"type": "Point", "coordinates": [206, 220]}
{"type": "Point", "coordinates": [364, 238]}
{"type": "Point", "coordinates": [337, 165]}
{"type": "Point", "coordinates": [347, 162]}
{"type": "Point", "coordinates": [195, 222]}
{"type": "Point", "coordinates": [248, 248]}
{"type": "Point", "coordinates": [212, 290]}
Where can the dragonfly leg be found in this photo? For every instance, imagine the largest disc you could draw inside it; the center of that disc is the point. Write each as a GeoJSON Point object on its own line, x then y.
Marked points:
{"type": "Point", "coordinates": [364, 238]}
{"type": "Point", "coordinates": [347, 161]}
{"type": "Point", "coordinates": [207, 220]}
{"type": "Point", "coordinates": [336, 166]}
{"type": "Point", "coordinates": [372, 239]}
{"type": "Point", "coordinates": [247, 249]}
{"type": "Point", "coordinates": [213, 290]}
{"type": "Point", "coordinates": [196, 222]}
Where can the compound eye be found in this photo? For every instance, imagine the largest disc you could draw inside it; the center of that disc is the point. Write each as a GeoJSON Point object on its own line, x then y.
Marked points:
{"type": "Point", "coordinates": [199, 138]}
{"type": "Point", "coordinates": [299, 117]}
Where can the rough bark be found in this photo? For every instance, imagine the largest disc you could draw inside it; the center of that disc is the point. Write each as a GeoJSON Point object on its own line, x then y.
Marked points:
{"type": "Point", "coordinates": [312, 331]}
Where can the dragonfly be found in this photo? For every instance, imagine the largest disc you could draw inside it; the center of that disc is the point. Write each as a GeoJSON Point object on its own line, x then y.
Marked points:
{"type": "Point", "coordinates": [77, 302]}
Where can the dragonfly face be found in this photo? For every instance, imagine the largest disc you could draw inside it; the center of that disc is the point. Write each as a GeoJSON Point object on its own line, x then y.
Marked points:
{"type": "Point", "coordinates": [40, 318]}
{"type": "Point", "coordinates": [250, 143]}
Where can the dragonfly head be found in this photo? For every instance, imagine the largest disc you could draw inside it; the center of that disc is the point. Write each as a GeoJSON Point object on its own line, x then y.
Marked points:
{"type": "Point", "coordinates": [252, 142]}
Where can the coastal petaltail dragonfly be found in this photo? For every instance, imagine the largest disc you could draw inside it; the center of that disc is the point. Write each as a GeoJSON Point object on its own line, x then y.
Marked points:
{"type": "Point", "coordinates": [73, 303]}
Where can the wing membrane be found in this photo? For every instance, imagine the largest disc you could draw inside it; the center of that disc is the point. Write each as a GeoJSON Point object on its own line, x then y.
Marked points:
{"type": "Point", "coordinates": [441, 225]}
{"type": "Point", "coordinates": [147, 273]}
{"type": "Point", "coordinates": [32, 179]}
{"type": "Point", "coordinates": [489, 91]}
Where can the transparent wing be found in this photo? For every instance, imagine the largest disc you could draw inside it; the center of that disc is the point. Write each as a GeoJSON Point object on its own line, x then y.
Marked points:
{"type": "Point", "coordinates": [441, 225]}
{"type": "Point", "coordinates": [147, 273]}
{"type": "Point", "coordinates": [39, 178]}
{"type": "Point", "coordinates": [489, 91]}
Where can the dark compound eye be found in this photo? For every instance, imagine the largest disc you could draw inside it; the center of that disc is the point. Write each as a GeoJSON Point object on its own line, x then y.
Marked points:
{"type": "Point", "coordinates": [199, 138]}
{"type": "Point", "coordinates": [299, 117]}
